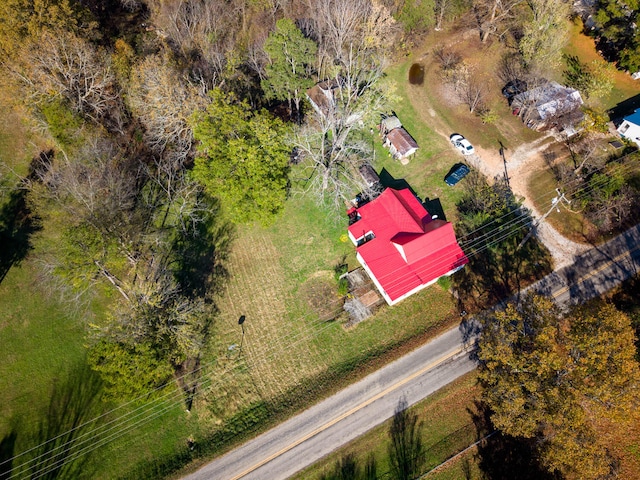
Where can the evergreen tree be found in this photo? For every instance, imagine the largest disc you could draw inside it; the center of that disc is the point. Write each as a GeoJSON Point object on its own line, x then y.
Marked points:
{"type": "Point", "coordinates": [616, 23]}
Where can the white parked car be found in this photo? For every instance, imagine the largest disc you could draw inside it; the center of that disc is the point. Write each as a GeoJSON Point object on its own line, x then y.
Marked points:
{"type": "Point", "coordinates": [462, 144]}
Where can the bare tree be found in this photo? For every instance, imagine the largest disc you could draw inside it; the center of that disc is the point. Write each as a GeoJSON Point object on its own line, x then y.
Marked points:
{"type": "Point", "coordinates": [473, 93]}
{"type": "Point", "coordinates": [510, 68]}
{"type": "Point", "coordinates": [589, 152]}
{"type": "Point", "coordinates": [257, 58]}
{"type": "Point", "coordinates": [131, 5]}
{"type": "Point", "coordinates": [163, 100]}
{"type": "Point", "coordinates": [449, 59]}
{"type": "Point", "coordinates": [442, 6]}
{"type": "Point", "coordinates": [351, 37]}
{"type": "Point", "coordinates": [93, 187]}
{"type": "Point", "coordinates": [491, 14]}
{"type": "Point", "coordinates": [331, 164]}
{"type": "Point", "coordinates": [332, 143]}
{"type": "Point", "coordinates": [199, 30]}
{"type": "Point", "coordinates": [67, 66]}
{"type": "Point", "coordinates": [341, 27]}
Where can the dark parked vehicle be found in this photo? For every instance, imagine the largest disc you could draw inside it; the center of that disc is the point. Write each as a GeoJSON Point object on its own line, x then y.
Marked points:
{"type": "Point", "coordinates": [513, 88]}
{"type": "Point", "coordinates": [457, 173]}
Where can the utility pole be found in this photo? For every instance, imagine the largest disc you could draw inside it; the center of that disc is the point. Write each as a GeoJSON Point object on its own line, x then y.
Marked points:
{"type": "Point", "coordinates": [504, 160]}
{"type": "Point", "coordinates": [555, 201]}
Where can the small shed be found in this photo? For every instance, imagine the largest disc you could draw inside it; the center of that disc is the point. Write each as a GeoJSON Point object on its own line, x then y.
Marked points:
{"type": "Point", "coordinates": [369, 175]}
{"type": "Point", "coordinates": [400, 143]}
{"type": "Point", "coordinates": [389, 123]}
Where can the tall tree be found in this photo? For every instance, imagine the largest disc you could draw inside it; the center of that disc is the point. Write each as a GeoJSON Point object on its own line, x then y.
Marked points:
{"type": "Point", "coordinates": [21, 20]}
{"type": "Point", "coordinates": [163, 99]}
{"type": "Point", "coordinates": [493, 14]}
{"type": "Point", "coordinates": [547, 377]}
{"type": "Point", "coordinates": [352, 38]}
{"type": "Point", "coordinates": [420, 15]}
{"type": "Point", "coordinates": [292, 57]}
{"type": "Point", "coordinates": [242, 158]}
{"type": "Point", "coordinates": [616, 21]}
{"type": "Point", "coordinates": [603, 358]}
{"type": "Point", "coordinates": [64, 65]}
{"type": "Point", "coordinates": [160, 251]}
{"type": "Point", "coordinates": [593, 79]}
{"type": "Point", "coordinates": [544, 32]}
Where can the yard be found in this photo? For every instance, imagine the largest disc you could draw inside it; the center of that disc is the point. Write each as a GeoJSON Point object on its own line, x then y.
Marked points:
{"type": "Point", "coordinates": [428, 107]}
{"type": "Point", "coordinates": [282, 281]}
{"type": "Point", "coordinates": [286, 354]}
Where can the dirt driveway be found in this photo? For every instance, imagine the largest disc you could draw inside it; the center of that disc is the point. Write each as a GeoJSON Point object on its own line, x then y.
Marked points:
{"type": "Point", "coordinates": [521, 163]}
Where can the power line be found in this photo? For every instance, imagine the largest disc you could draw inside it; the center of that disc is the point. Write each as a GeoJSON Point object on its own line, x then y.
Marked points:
{"type": "Point", "coordinates": [498, 237]}
{"type": "Point", "coordinates": [178, 399]}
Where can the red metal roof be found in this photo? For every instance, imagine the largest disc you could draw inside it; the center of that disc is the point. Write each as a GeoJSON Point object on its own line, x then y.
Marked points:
{"type": "Point", "coordinates": [409, 249]}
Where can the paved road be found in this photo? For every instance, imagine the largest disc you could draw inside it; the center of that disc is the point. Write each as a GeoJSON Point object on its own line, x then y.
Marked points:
{"type": "Point", "coordinates": [304, 439]}
{"type": "Point", "coordinates": [596, 271]}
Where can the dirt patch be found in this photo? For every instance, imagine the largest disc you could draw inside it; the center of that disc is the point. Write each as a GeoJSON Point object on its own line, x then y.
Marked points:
{"type": "Point", "coordinates": [320, 293]}
{"type": "Point", "coordinates": [520, 165]}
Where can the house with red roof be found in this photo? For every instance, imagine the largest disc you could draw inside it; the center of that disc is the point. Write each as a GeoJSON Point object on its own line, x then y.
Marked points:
{"type": "Point", "coordinates": [401, 246]}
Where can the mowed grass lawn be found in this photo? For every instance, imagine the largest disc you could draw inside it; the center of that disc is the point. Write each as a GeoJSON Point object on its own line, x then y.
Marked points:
{"type": "Point", "coordinates": [282, 281]}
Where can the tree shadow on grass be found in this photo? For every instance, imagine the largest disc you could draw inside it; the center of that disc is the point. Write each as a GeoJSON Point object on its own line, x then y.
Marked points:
{"type": "Point", "coordinates": [502, 457]}
{"type": "Point", "coordinates": [201, 262]}
{"type": "Point", "coordinates": [7, 449]}
{"type": "Point", "coordinates": [503, 257]}
{"type": "Point", "coordinates": [66, 435]}
{"type": "Point", "coordinates": [18, 222]}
